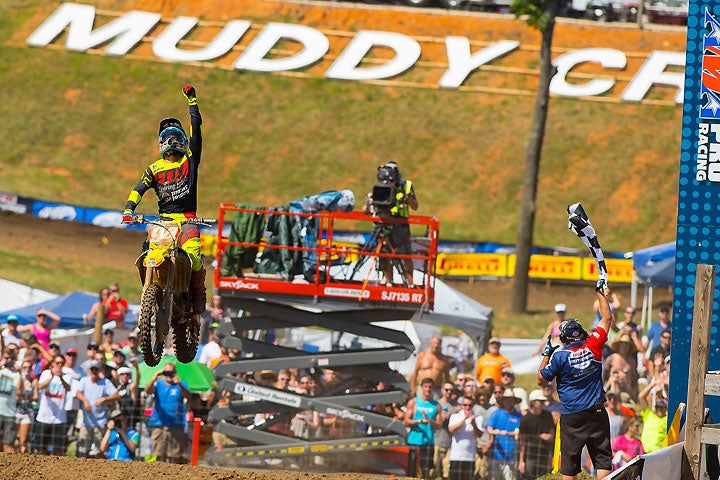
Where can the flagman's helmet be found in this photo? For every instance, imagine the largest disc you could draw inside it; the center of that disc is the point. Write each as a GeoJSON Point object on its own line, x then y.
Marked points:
{"type": "Point", "coordinates": [571, 331]}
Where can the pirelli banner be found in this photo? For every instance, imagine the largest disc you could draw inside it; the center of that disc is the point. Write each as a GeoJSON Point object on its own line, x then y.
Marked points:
{"type": "Point", "coordinates": [551, 267]}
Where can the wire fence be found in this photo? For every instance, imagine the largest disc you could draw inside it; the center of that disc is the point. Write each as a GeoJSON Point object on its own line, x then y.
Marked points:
{"type": "Point", "coordinates": [26, 433]}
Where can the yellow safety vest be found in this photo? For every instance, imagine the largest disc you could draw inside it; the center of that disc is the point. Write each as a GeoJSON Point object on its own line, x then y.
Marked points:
{"type": "Point", "coordinates": [401, 209]}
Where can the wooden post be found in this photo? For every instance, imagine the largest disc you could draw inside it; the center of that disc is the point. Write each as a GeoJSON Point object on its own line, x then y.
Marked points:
{"type": "Point", "coordinates": [99, 320]}
{"type": "Point", "coordinates": [699, 353]}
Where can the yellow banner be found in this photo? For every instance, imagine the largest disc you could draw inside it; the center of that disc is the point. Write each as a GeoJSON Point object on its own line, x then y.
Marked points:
{"type": "Point", "coordinates": [619, 270]}
{"type": "Point", "coordinates": [551, 267]}
{"type": "Point", "coordinates": [472, 264]}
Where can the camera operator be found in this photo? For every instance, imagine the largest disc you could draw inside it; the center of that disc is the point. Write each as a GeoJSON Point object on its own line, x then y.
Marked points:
{"type": "Point", "coordinates": [393, 198]}
{"type": "Point", "coordinates": [167, 421]}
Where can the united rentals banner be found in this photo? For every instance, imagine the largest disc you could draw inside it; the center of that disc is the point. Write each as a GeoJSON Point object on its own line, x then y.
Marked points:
{"type": "Point", "coordinates": [698, 218]}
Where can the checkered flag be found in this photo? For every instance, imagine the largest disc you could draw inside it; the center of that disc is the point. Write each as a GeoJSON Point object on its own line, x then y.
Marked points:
{"type": "Point", "coordinates": [579, 223]}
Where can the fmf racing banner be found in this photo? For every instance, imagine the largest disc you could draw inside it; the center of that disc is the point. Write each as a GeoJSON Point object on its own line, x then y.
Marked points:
{"type": "Point", "coordinates": [698, 218]}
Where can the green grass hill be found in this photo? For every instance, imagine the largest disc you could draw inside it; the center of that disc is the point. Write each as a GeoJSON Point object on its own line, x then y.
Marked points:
{"type": "Point", "coordinates": [80, 128]}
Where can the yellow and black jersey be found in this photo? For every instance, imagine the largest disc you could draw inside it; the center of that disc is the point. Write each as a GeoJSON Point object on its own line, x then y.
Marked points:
{"type": "Point", "coordinates": [175, 183]}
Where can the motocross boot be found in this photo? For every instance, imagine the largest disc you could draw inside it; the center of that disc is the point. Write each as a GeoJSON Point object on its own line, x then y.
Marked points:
{"type": "Point", "coordinates": [197, 290]}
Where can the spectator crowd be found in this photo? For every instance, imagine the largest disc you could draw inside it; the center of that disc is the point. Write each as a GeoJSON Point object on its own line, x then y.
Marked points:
{"type": "Point", "coordinates": [475, 424]}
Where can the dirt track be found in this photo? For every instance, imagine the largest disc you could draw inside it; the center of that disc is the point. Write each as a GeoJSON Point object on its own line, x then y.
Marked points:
{"type": "Point", "coordinates": [32, 467]}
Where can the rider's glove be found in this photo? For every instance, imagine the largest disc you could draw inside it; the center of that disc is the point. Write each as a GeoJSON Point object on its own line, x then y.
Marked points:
{"type": "Point", "coordinates": [189, 92]}
{"type": "Point", "coordinates": [127, 216]}
{"type": "Point", "coordinates": [549, 347]}
{"type": "Point", "coordinates": [601, 286]}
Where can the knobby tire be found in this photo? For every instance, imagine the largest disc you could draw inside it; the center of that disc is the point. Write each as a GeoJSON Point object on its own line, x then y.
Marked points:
{"type": "Point", "coordinates": [185, 338]}
{"type": "Point", "coordinates": [149, 304]}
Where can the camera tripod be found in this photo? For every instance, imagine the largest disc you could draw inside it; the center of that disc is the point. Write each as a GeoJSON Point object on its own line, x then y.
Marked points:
{"type": "Point", "coordinates": [379, 242]}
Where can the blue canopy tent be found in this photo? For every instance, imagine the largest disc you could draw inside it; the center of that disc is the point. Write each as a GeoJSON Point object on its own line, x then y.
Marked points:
{"type": "Point", "coordinates": [70, 307]}
{"type": "Point", "coordinates": [653, 267]}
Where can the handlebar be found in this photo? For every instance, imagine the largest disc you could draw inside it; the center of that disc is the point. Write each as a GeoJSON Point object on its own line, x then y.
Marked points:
{"type": "Point", "coordinates": [195, 221]}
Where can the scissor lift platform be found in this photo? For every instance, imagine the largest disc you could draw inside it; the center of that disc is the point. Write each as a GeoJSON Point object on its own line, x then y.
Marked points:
{"type": "Point", "coordinates": [275, 253]}
{"type": "Point", "coordinates": [282, 269]}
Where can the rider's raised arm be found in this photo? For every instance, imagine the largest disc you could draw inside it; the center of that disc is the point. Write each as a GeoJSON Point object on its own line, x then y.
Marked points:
{"type": "Point", "coordinates": [195, 141]}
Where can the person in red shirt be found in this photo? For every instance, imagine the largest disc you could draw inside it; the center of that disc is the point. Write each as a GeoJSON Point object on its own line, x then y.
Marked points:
{"type": "Point", "coordinates": [115, 307]}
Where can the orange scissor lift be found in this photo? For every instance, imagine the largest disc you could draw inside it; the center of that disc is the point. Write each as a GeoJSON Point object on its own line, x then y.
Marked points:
{"type": "Point", "coordinates": [332, 273]}
{"type": "Point", "coordinates": [285, 270]}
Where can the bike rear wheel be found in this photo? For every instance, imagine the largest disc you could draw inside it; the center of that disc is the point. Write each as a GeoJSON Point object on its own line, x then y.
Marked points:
{"type": "Point", "coordinates": [150, 302]}
{"type": "Point", "coordinates": [186, 337]}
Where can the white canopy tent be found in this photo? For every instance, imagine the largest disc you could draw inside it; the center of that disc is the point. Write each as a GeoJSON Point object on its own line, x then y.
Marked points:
{"type": "Point", "coordinates": [16, 295]}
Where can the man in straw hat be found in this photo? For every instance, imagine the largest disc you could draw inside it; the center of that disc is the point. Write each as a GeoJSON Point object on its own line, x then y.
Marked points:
{"type": "Point", "coordinates": [504, 426]}
{"type": "Point", "coordinates": [577, 371]}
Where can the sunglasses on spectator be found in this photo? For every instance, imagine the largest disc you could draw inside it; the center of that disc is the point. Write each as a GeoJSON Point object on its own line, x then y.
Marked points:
{"type": "Point", "coordinates": [467, 404]}
{"type": "Point", "coordinates": [114, 290]}
{"type": "Point", "coordinates": [448, 389]}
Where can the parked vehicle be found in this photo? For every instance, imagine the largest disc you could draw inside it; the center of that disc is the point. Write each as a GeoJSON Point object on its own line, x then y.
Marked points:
{"type": "Point", "coordinates": [672, 12]}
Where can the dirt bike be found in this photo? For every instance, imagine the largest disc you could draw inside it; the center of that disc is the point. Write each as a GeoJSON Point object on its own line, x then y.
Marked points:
{"type": "Point", "coordinates": [166, 301]}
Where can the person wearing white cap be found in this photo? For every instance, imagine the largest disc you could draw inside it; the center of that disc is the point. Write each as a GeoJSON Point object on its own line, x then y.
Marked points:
{"type": "Point", "coordinates": [129, 392]}
{"type": "Point", "coordinates": [537, 436]}
{"type": "Point", "coordinates": [553, 327]}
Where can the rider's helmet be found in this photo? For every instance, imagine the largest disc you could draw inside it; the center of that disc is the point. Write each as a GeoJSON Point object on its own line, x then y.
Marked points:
{"type": "Point", "coordinates": [571, 331]}
{"type": "Point", "coordinates": [170, 122]}
{"type": "Point", "coordinates": [172, 138]}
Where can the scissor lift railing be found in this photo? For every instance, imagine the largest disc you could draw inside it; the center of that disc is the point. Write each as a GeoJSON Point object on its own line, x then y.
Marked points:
{"type": "Point", "coordinates": [329, 270]}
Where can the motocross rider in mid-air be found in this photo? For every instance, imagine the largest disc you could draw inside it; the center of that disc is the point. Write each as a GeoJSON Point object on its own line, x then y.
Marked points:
{"type": "Point", "coordinates": [174, 178]}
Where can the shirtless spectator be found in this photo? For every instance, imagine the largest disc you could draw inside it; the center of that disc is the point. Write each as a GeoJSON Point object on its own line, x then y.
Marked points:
{"type": "Point", "coordinates": [431, 363]}
{"type": "Point", "coordinates": [492, 363]}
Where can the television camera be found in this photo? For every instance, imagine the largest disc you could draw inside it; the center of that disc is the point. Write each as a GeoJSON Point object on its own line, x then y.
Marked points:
{"type": "Point", "coordinates": [383, 195]}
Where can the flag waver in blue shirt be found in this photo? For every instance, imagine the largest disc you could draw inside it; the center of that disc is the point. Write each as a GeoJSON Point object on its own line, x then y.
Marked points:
{"type": "Point", "coordinates": [577, 370]}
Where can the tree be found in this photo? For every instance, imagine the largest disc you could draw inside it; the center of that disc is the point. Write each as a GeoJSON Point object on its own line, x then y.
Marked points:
{"type": "Point", "coordinates": [539, 14]}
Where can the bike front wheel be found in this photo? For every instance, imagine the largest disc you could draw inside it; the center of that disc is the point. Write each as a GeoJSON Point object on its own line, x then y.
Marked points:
{"type": "Point", "coordinates": [150, 342]}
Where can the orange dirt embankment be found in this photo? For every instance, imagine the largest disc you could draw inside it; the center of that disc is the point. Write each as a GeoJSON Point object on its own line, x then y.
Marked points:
{"type": "Point", "coordinates": [430, 27]}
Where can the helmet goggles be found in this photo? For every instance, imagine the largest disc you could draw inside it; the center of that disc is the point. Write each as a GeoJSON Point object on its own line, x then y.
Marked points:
{"type": "Point", "coordinates": [172, 138]}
